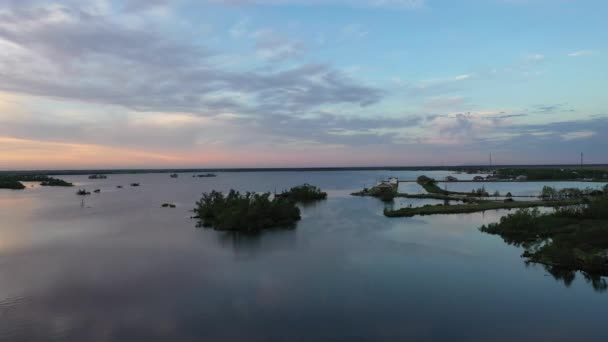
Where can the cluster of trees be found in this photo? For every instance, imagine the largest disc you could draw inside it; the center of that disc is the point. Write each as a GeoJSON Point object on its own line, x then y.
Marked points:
{"type": "Point", "coordinates": [481, 192]}
{"type": "Point", "coordinates": [247, 212]}
{"type": "Point", "coordinates": [14, 181]}
{"type": "Point", "coordinates": [551, 193]}
{"type": "Point", "coordinates": [571, 238]}
{"type": "Point", "coordinates": [385, 194]}
{"type": "Point", "coordinates": [425, 179]}
{"type": "Point", "coordinates": [11, 184]}
{"type": "Point", "coordinates": [596, 209]}
{"type": "Point", "coordinates": [206, 175]}
{"type": "Point", "coordinates": [304, 193]}
{"type": "Point", "coordinates": [553, 174]}
{"type": "Point", "coordinates": [55, 182]}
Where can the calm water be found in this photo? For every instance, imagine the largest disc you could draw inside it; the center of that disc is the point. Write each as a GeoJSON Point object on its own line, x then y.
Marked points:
{"type": "Point", "coordinates": [120, 268]}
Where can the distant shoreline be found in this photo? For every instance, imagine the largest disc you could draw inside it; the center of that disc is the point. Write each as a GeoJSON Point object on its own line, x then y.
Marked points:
{"type": "Point", "coordinates": [294, 169]}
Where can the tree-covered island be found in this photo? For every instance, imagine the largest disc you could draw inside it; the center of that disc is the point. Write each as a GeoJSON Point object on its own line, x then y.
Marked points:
{"type": "Point", "coordinates": [571, 238]}
{"type": "Point", "coordinates": [304, 193]}
{"type": "Point", "coordinates": [15, 181]}
{"type": "Point", "coordinates": [248, 212]}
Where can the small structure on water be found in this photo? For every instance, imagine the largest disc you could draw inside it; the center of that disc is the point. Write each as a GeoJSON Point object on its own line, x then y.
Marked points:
{"type": "Point", "coordinates": [521, 178]}
{"type": "Point", "coordinates": [174, 175]}
{"type": "Point", "coordinates": [451, 179]}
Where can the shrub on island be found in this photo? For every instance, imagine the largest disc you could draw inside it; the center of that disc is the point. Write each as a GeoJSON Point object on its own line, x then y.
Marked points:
{"type": "Point", "coordinates": [56, 182]}
{"type": "Point", "coordinates": [424, 180]}
{"type": "Point", "coordinates": [304, 193]}
{"type": "Point", "coordinates": [572, 238]}
{"type": "Point", "coordinates": [247, 212]}
{"type": "Point", "coordinates": [11, 184]}
{"type": "Point", "coordinates": [14, 181]}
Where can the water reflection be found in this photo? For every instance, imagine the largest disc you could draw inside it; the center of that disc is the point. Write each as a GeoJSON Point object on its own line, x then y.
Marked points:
{"type": "Point", "coordinates": [127, 270]}
{"type": "Point", "coordinates": [264, 242]}
{"type": "Point", "coordinates": [598, 283]}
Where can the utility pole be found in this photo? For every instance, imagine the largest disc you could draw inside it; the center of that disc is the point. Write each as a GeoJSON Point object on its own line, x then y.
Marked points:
{"type": "Point", "coordinates": [582, 156]}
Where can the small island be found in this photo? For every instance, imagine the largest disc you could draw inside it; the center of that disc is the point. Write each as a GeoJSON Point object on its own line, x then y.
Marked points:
{"type": "Point", "coordinates": [56, 182]}
{"type": "Point", "coordinates": [385, 190]}
{"type": "Point", "coordinates": [205, 175]}
{"type": "Point", "coordinates": [11, 184]}
{"type": "Point", "coordinates": [15, 181]}
{"type": "Point", "coordinates": [98, 177]}
{"type": "Point", "coordinates": [83, 192]}
{"type": "Point", "coordinates": [304, 193]}
{"type": "Point", "coordinates": [247, 212]}
{"type": "Point", "coordinates": [573, 238]}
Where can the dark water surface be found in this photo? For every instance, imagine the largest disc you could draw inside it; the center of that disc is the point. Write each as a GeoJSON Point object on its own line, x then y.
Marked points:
{"type": "Point", "coordinates": [120, 268]}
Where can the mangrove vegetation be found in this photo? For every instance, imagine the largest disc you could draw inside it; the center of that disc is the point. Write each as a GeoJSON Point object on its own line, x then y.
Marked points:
{"type": "Point", "coordinates": [553, 174]}
{"type": "Point", "coordinates": [15, 181]}
{"type": "Point", "coordinates": [474, 206]}
{"type": "Point", "coordinates": [304, 193]}
{"type": "Point", "coordinates": [248, 212]}
{"type": "Point", "coordinates": [571, 238]}
{"type": "Point", "coordinates": [11, 184]}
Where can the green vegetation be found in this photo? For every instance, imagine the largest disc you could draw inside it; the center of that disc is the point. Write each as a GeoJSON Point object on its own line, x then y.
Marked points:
{"type": "Point", "coordinates": [206, 175]}
{"type": "Point", "coordinates": [11, 184]}
{"type": "Point", "coordinates": [247, 212]}
{"type": "Point", "coordinates": [304, 193]}
{"type": "Point", "coordinates": [481, 192]}
{"type": "Point", "coordinates": [14, 181]}
{"type": "Point", "coordinates": [384, 193]}
{"type": "Point", "coordinates": [430, 185]}
{"type": "Point", "coordinates": [56, 182]}
{"type": "Point", "coordinates": [540, 174]}
{"type": "Point", "coordinates": [551, 193]}
{"type": "Point", "coordinates": [474, 207]}
{"type": "Point", "coordinates": [432, 196]}
{"type": "Point", "coordinates": [572, 238]}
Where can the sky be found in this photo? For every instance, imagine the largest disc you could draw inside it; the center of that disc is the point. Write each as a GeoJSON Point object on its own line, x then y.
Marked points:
{"type": "Point", "coordinates": [301, 83]}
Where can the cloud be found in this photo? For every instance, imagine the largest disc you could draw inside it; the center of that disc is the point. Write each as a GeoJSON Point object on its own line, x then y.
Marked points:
{"type": "Point", "coordinates": [535, 58]}
{"type": "Point", "coordinates": [551, 108]}
{"type": "Point", "coordinates": [63, 52]}
{"type": "Point", "coordinates": [462, 77]}
{"type": "Point", "coordinates": [273, 46]}
{"type": "Point", "coordinates": [391, 4]}
{"type": "Point", "coordinates": [577, 135]}
{"type": "Point", "coordinates": [146, 5]}
{"type": "Point", "coordinates": [581, 53]}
